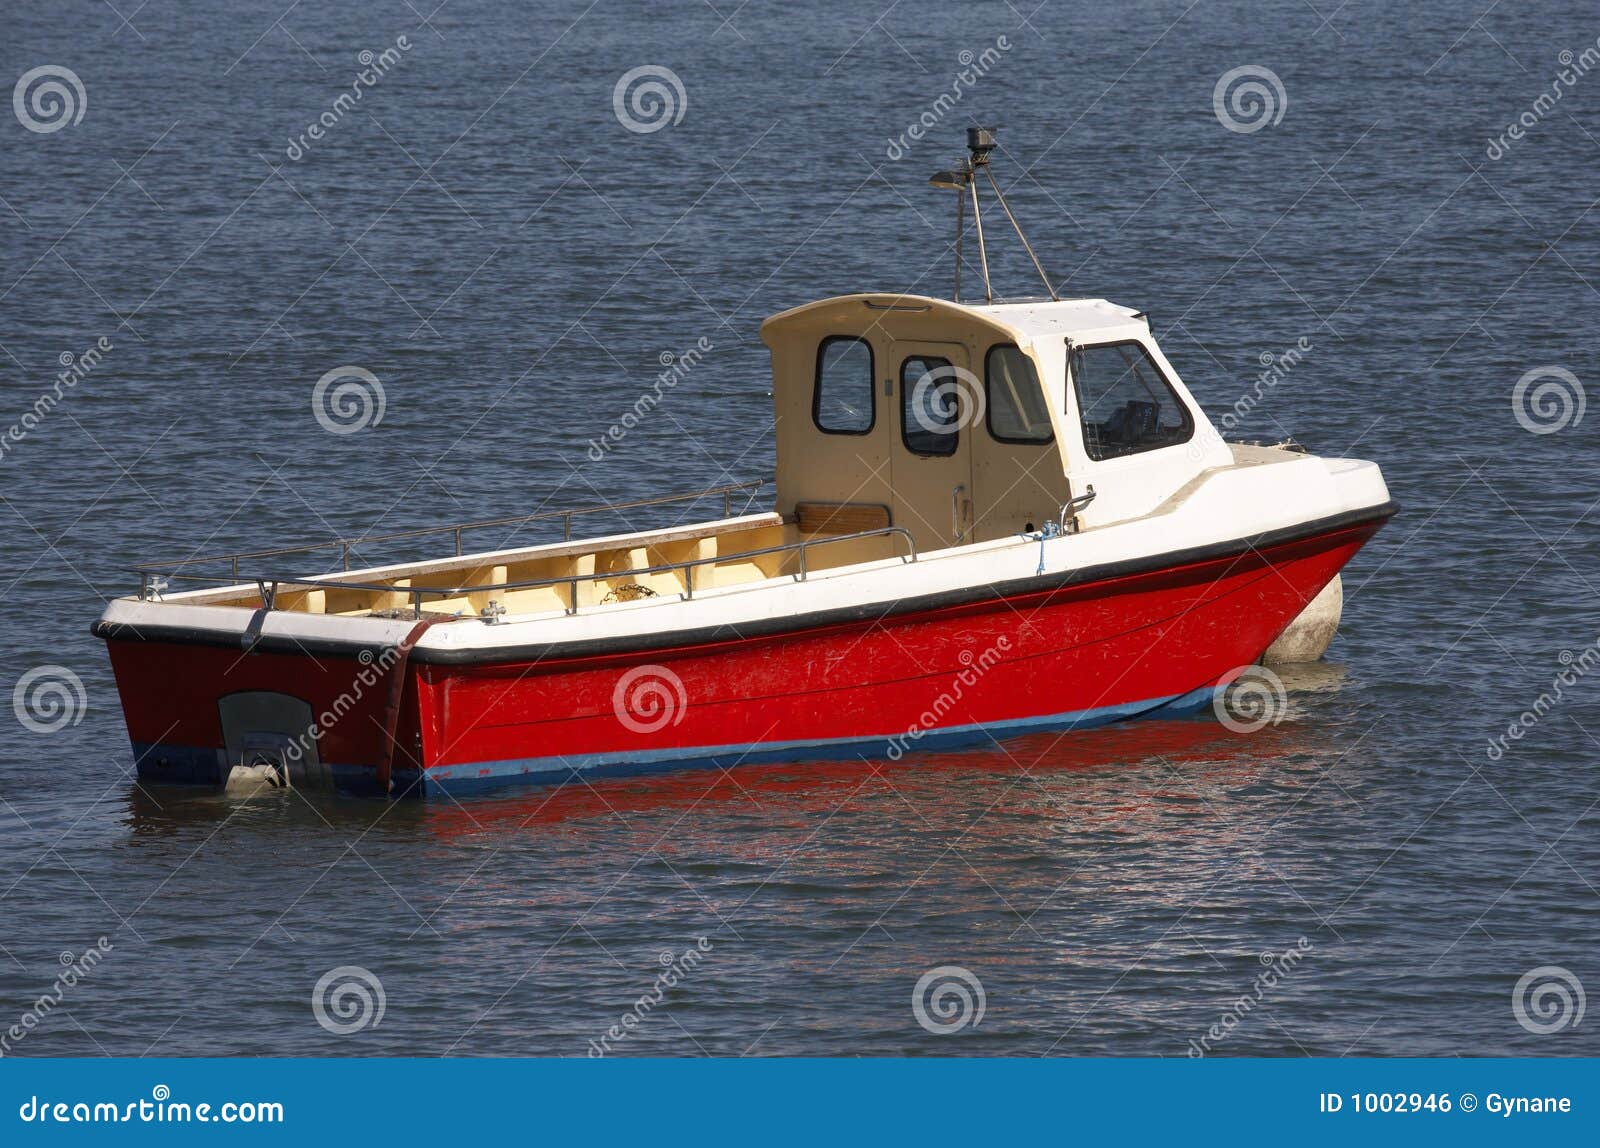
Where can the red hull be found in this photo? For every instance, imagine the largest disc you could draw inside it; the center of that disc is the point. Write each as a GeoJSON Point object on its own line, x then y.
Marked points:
{"type": "Point", "coordinates": [1079, 654]}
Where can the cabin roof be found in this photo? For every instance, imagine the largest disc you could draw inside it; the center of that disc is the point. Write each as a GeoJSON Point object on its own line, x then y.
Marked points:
{"type": "Point", "coordinates": [1068, 317]}
{"type": "Point", "coordinates": [1023, 321]}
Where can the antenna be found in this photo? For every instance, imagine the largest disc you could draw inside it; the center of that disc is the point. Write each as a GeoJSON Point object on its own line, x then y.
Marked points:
{"type": "Point", "coordinates": [964, 181]}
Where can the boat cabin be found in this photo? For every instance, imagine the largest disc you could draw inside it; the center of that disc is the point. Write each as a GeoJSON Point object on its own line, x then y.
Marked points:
{"type": "Point", "coordinates": [964, 423]}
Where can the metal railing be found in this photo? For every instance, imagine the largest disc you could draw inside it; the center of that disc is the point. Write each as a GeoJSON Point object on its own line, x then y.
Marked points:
{"type": "Point", "coordinates": [347, 545]}
{"type": "Point", "coordinates": [270, 586]}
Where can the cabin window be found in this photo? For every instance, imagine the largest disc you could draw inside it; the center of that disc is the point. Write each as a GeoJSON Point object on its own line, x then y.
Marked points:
{"type": "Point", "coordinates": [1017, 411]}
{"type": "Point", "coordinates": [1126, 403]}
{"type": "Point", "coordinates": [843, 400]}
{"type": "Point", "coordinates": [930, 406]}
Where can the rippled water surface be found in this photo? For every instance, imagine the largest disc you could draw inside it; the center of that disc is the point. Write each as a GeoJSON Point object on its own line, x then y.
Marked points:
{"type": "Point", "coordinates": [486, 237]}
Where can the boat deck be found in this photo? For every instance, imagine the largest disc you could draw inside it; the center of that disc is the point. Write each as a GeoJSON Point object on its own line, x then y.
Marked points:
{"type": "Point", "coordinates": [563, 576]}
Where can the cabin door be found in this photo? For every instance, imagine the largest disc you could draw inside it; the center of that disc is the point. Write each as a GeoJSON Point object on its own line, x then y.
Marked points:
{"type": "Point", "coordinates": [938, 406]}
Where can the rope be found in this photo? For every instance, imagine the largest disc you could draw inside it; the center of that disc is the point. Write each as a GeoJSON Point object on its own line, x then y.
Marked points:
{"type": "Point", "coordinates": [1051, 529]}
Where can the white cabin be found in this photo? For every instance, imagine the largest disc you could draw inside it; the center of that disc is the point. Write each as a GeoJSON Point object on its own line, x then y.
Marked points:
{"type": "Point", "coordinates": [965, 423]}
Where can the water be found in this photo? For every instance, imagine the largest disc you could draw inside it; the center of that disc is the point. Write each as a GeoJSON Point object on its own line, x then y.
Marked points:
{"type": "Point", "coordinates": [484, 236]}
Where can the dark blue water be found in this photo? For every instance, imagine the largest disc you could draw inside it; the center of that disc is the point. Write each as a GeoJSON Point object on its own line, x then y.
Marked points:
{"type": "Point", "coordinates": [484, 236]}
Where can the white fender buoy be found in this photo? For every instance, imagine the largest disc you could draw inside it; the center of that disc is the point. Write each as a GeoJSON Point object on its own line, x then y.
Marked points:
{"type": "Point", "coordinates": [1309, 635]}
{"type": "Point", "coordinates": [250, 780]}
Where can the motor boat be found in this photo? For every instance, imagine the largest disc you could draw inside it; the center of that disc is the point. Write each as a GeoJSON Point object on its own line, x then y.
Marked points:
{"type": "Point", "coordinates": [988, 517]}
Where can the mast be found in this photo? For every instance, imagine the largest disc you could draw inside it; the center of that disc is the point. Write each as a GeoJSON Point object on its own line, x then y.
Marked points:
{"type": "Point", "coordinates": [964, 181]}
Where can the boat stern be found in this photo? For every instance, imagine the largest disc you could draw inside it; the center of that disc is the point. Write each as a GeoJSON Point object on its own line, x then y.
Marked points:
{"type": "Point", "coordinates": [213, 693]}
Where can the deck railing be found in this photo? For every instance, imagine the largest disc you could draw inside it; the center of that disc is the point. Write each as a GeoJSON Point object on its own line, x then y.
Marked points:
{"type": "Point", "coordinates": [155, 577]}
{"type": "Point", "coordinates": [348, 545]}
{"type": "Point", "coordinates": [270, 586]}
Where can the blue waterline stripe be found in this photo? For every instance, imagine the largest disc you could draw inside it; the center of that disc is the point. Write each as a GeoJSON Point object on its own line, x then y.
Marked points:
{"type": "Point", "coordinates": [198, 765]}
{"type": "Point", "coordinates": [463, 778]}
